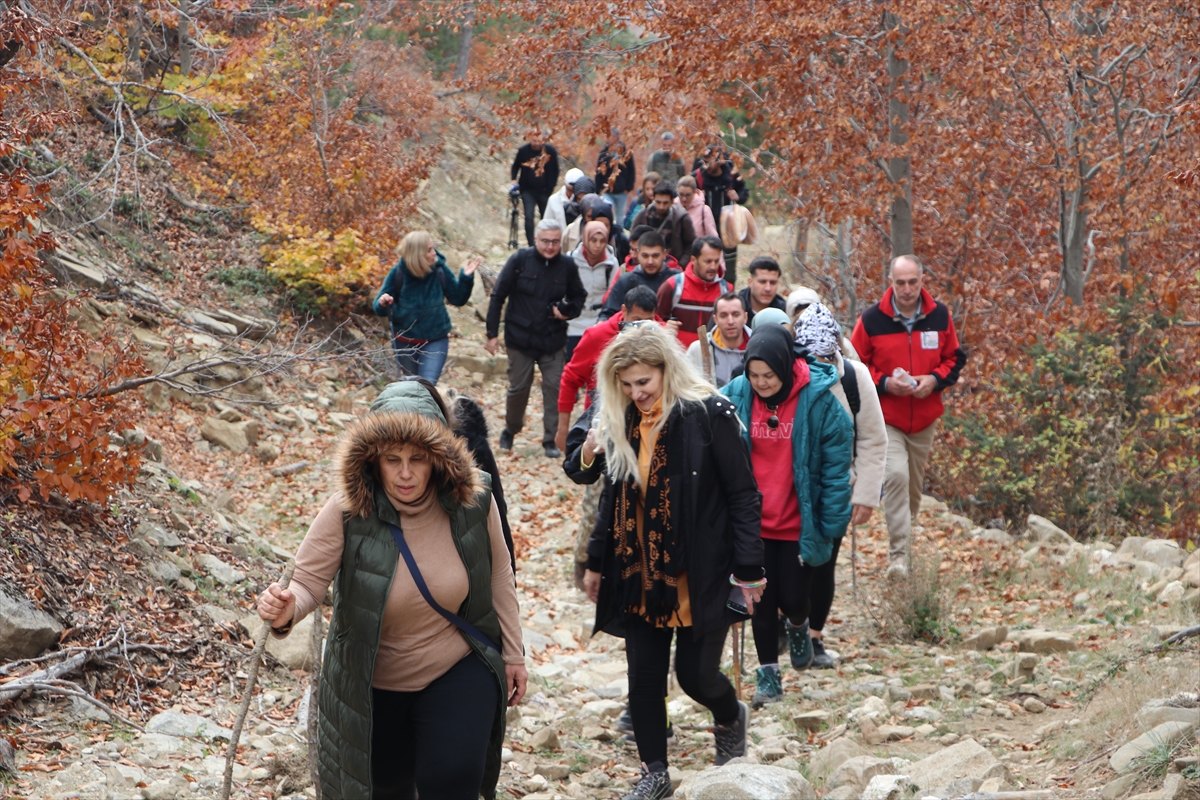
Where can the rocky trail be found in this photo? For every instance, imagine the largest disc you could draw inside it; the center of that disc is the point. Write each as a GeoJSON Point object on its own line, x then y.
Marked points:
{"type": "Point", "coordinates": [1044, 671]}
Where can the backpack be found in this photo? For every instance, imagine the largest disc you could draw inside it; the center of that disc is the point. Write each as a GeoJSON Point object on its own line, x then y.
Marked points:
{"type": "Point", "coordinates": [679, 281]}
{"type": "Point", "coordinates": [441, 274]}
{"type": "Point", "coordinates": [853, 399]}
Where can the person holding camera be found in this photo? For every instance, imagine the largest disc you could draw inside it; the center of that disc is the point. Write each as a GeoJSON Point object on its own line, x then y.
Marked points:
{"type": "Point", "coordinates": [543, 291]}
{"type": "Point", "coordinates": [677, 546]}
{"type": "Point", "coordinates": [716, 176]}
{"type": "Point", "coordinates": [801, 446]}
{"type": "Point", "coordinates": [534, 175]}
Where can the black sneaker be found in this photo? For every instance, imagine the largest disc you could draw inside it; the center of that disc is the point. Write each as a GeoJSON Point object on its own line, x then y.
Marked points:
{"type": "Point", "coordinates": [731, 738]}
{"type": "Point", "coordinates": [625, 721]}
{"type": "Point", "coordinates": [800, 645]}
{"type": "Point", "coordinates": [821, 659]}
{"type": "Point", "coordinates": [654, 785]}
{"type": "Point", "coordinates": [553, 452]}
{"type": "Point", "coordinates": [505, 440]}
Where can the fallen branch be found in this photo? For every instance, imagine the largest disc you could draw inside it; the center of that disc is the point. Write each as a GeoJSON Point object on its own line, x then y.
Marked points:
{"type": "Point", "coordinates": [290, 469]}
{"type": "Point", "coordinates": [75, 690]}
{"type": "Point", "coordinates": [183, 200]}
{"type": "Point", "coordinates": [1186, 633]}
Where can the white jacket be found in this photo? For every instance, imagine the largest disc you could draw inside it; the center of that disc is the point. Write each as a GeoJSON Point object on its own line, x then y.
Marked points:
{"type": "Point", "coordinates": [866, 471]}
{"type": "Point", "coordinates": [556, 208]}
{"type": "Point", "coordinates": [595, 281]}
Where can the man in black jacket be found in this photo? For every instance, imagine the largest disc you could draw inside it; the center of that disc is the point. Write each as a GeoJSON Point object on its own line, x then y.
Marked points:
{"type": "Point", "coordinates": [543, 291]}
{"type": "Point", "coordinates": [616, 173]}
{"type": "Point", "coordinates": [721, 184]}
{"type": "Point", "coordinates": [650, 271]}
{"type": "Point", "coordinates": [535, 173]}
{"type": "Point", "coordinates": [670, 220]}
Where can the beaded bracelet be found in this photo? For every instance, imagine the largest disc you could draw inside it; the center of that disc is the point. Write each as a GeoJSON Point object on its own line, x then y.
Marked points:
{"type": "Point", "coordinates": [751, 585]}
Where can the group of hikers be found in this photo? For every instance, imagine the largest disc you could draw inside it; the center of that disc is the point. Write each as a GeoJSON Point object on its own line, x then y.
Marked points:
{"type": "Point", "coordinates": [728, 440]}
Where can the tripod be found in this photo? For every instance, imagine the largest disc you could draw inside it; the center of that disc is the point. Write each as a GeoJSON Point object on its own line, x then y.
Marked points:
{"type": "Point", "coordinates": [513, 229]}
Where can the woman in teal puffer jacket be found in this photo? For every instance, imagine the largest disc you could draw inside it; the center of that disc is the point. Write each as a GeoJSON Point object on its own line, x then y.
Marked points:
{"type": "Point", "coordinates": [414, 296]}
{"type": "Point", "coordinates": [801, 446]}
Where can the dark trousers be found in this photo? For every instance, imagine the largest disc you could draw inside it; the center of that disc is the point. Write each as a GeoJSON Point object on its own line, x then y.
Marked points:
{"type": "Point", "coordinates": [698, 668]}
{"type": "Point", "coordinates": [520, 381]}
{"type": "Point", "coordinates": [731, 265]}
{"type": "Point", "coordinates": [433, 743]}
{"type": "Point", "coordinates": [528, 201]}
{"type": "Point", "coordinates": [572, 341]}
{"type": "Point", "coordinates": [787, 590]}
{"type": "Point", "coordinates": [820, 593]}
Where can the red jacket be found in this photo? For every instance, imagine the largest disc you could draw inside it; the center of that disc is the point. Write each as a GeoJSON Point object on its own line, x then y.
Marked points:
{"type": "Point", "coordinates": [580, 371]}
{"type": "Point", "coordinates": [883, 343]}
{"type": "Point", "coordinates": [693, 305]}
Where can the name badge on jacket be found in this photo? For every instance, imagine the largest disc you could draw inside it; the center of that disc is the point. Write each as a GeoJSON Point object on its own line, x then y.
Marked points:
{"type": "Point", "coordinates": [929, 340]}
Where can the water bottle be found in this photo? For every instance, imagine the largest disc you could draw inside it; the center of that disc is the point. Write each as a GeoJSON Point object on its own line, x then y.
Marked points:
{"type": "Point", "coordinates": [901, 374]}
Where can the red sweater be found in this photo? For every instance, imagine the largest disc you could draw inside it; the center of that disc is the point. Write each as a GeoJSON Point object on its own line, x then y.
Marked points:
{"type": "Point", "coordinates": [580, 371]}
{"type": "Point", "coordinates": [695, 302]}
{"type": "Point", "coordinates": [883, 343]}
{"type": "Point", "coordinates": [771, 455]}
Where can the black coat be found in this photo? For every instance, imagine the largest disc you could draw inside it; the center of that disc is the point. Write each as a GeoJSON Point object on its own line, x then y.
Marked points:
{"type": "Point", "coordinates": [471, 425]}
{"type": "Point", "coordinates": [532, 285]}
{"type": "Point", "coordinates": [616, 295]}
{"type": "Point", "coordinates": [718, 510]}
{"type": "Point", "coordinates": [676, 229]}
{"type": "Point", "coordinates": [620, 163]}
{"type": "Point", "coordinates": [529, 180]}
{"type": "Point", "coordinates": [715, 188]}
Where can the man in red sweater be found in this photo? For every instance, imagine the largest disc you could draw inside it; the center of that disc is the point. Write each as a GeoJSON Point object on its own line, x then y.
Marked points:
{"type": "Point", "coordinates": [910, 331]}
{"type": "Point", "coordinates": [580, 371]}
{"type": "Point", "coordinates": [689, 296]}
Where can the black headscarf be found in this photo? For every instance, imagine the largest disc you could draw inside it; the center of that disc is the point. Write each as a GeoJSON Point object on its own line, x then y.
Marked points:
{"type": "Point", "coordinates": [773, 346]}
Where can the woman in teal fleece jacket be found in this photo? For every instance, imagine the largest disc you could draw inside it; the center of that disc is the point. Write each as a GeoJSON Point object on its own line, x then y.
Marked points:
{"type": "Point", "coordinates": [801, 446]}
{"type": "Point", "coordinates": [414, 296]}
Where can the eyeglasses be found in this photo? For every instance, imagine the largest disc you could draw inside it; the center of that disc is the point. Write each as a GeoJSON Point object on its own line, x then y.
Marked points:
{"type": "Point", "coordinates": [550, 242]}
{"type": "Point", "coordinates": [773, 420]}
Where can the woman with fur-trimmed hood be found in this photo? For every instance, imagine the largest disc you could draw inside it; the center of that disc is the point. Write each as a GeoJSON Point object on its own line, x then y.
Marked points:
{"type": "Point", "coordinates": [412, 697]}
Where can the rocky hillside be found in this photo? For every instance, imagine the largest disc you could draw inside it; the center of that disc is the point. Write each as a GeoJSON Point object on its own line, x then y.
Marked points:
{"type": "Point", "coordinates": [1017, 661]}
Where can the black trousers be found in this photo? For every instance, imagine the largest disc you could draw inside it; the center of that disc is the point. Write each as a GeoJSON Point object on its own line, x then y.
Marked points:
{"type": "Point", "coordinates": [698, 668]}
{"type": "Point", "coordinates": [821, 590]}
{"type": "Point", "coordinates": [433, 742]}
{"type": "Point", "coordinates": [528, 201]}
{"type": "Point", "coordinates": [787, 590]}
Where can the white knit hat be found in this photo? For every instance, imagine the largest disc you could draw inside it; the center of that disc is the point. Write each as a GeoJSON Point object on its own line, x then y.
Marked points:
{"type": "Point", "coordinates": [801, 296]}
{"type": "Point", "coordinates": [573, 174]}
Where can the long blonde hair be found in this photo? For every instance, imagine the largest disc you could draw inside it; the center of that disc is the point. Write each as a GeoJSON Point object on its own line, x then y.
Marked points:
{"type": "Point", "coordinates": [412, 249]}
{"type": "Point", "coordinates": [655, 347]}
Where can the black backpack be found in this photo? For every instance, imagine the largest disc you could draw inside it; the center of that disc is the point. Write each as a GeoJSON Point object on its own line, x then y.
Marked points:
{"type": "Point", "coordinates": [853, 399]}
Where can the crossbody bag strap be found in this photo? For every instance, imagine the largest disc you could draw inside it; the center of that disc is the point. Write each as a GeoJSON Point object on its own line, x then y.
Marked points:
{"type": "Point", "coordinates": [454, 619]}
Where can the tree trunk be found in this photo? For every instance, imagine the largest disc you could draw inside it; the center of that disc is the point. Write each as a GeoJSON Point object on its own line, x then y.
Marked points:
{"type": "Point", "coordinates": [464, 46]}
{"type": "Point", "coordinates": [133, 56]}
{"type": "Point", "coordinates": [1073, 226]}
{"type": "Point", "coordinates": [899, 168]}
{"type": "Point", "coordinates": [185, 42]}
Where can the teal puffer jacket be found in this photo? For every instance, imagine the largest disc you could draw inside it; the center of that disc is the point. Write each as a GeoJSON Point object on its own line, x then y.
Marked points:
{"type": "Point", "coordinates": [821, 454]}
{"type": "Point", "coordinates": [418, 309]}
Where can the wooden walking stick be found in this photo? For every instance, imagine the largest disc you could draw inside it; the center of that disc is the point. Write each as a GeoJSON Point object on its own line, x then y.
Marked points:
{"type": "Point", "coordinates": [854, 560]}
{"type": "Point", "coordinates": [737, 660]}
{"type": "Point", "coordinates": [706, 357]}
{"type": "Point", "coordinates": [260, 644]}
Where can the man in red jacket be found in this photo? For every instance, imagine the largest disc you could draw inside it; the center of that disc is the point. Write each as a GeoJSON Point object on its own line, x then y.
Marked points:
{"type": "Point", "coordinates": [908, 341]}
{"type": "Point", "coordinates": [689, 297]}
{"type": "Point", "coordinates": [580, 371]}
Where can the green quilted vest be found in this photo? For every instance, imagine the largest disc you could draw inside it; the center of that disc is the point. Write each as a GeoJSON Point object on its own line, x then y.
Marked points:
{"type": "Point", "coordinates": [361, 587]}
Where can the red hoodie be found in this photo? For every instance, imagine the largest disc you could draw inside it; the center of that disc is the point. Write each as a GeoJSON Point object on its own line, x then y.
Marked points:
{"type": "Point", "coordinates": [580, 371]}
{"type": "Point", "coordinates": [771, 456]}
{"type": "Point", "coordinates": [693, 306]}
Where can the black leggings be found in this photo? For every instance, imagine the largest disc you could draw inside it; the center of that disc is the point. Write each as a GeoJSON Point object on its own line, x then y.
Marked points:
{"type": "Point", "coordinates": [698, 668]}
{"type": "Point", "coordinates": [434, 742]}
{"type": "Point", "coordinates": [787, 590]}
{"type": "Point", "coordinates": [821, 590]}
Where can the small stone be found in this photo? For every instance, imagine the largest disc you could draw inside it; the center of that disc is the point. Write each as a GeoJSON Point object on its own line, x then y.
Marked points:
{"type": "Point", "coordinates": [220, 571]}
{"type": "Point", "coordinates": [546, 739]}
{"type": "Point", "coordinates": [826, 761]}
{"type": "Point", "coordinates": [1043, 530]}
{"type": "Point", "coordinates": [506, 755]}
{"type": "Point", "coordinates": [812, 720]}
{"type": "Point", "coordinates": [1042, 641]}
{"type": "Point", "coordinates": [554, 772]}
{"type": "Point", "coordinates": [1033, 705]}
{"type": "Point", "coordinates": [604, 709]}
{"type": "Point", "coordinates": [886, 787]}
{"type": "Point", "coordinates": [266, 452]}
{"type": "Point", "coordinates": [986, 638]}
{"type": "Point", "coordinates": [596, 734]}
{"type": "Point", "coordinates": [924, 691]}
{"type": "Point", "coordinates": [564, 639]}
{"type": "Point", "coordinates": [1172, 592]}
{"type": "Point", "coordinates": [174, 723]}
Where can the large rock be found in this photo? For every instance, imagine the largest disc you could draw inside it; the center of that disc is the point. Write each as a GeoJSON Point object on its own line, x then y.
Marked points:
{"type": "Point", "coordinates": [294, 651]}
{"type": "Point", "coordinates": [1163, 552]}
{"type": "Point", "coordinates": [220, 571]}
{"type": "Point", "coordinates": [25, 630]}
{"type": "Point", "coordinates": [1041, 641]}
{"type": "Point", "coordinates": [987, 638]}
{"type": "Point", "coordinates": [859, 771]}
{"type": "Point", "coordinates": [175, 723]}
{"type": "Point", "coordinates": [230, 435]}
{"type": "Point", "coordinates": [157, 535]}
{"type": "Point", "coordinates": [1043, 530]}
{"type": "Point", "coordinates": [1166, 735]}
{"type": "Point", "coordinates": [826, 761]}
{"type": "Point", "coordinates": [967, 759]}
{"type": "Point", "coordinates": [746, 782]}
{"type": "Point", "coordinates": [1156, 712]}
{"type": "Point", "coordinates": [887, 787]}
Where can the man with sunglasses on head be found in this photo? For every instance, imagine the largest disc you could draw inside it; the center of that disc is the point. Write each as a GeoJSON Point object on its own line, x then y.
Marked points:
{"type": "Point", "coordinates": [543, 291]}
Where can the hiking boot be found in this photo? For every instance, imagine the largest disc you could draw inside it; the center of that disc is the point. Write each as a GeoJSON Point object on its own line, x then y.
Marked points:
{"type": "Point", "coordinates": [821, 659]}
{"type": "Point", "coordinates": [897, 572]}
{"type": "Point", "coordinates": [800, 645]}
{"type": "Point", "coordinates": [654, 785]}
{"type": "Point", "coordinates": [625, 721]}
{"type": "Point", "coordinates": [506, 440]}
{"type": "Point", "coordinates": [770, 687]}
{"type": "Point", "coordinates": [781, 626]}
{"type": "Point", "coordinates": [553, 452]}
{"type": "Point", "coordinates": [731, 738]}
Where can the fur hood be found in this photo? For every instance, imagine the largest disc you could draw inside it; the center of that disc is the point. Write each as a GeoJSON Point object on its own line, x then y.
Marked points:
{"type": "Point", "coordinates": [403, 420]}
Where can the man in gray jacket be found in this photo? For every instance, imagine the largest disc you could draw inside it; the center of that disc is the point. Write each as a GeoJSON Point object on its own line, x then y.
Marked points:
{"type": "Point", "coordinates": [727, 340]}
